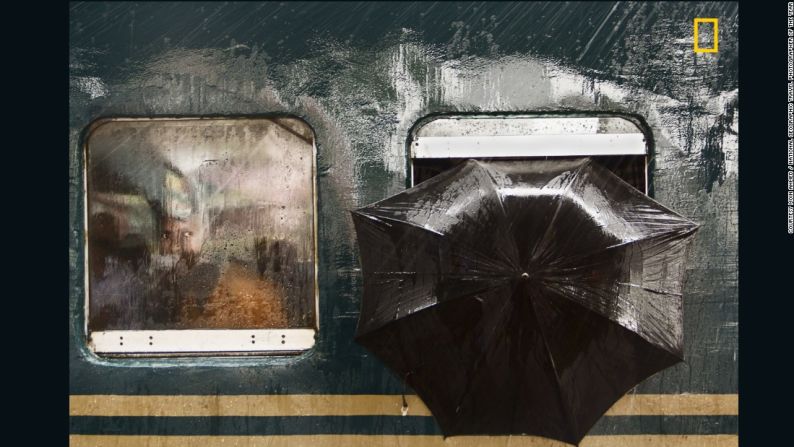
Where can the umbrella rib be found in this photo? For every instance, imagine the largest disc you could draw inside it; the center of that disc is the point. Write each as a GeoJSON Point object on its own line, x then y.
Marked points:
{"type": "Point", "coordinates": [561, 293]}
{"type": "Point", "coordinates": [648, 289]}
{"type": "Point", "coordinates": [596, 291]}
{"type": "Point", "coordinates": [673, 233]}
{"type": "Point", "coordinates": [552, 278]}
{"type": "Point", "coordinates": [486, 347]}
{"type": "Point", "coordinates": [391, 221]}
{"type": "Point", "coordinates": [563, 403]}
{"type": "Point", "coordinates": [498, 264]}
{"type": "Point", "coordinates": [514, 256]}
{"type": "Point", "coordinates": [543, 241]}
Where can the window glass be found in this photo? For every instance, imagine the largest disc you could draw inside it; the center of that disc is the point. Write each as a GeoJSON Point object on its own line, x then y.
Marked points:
{"type": "Point", "coordinates": [197, 225]}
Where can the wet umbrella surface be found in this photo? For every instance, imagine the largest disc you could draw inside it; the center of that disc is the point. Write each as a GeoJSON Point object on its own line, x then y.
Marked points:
{"type": "Point", "coordinates": [522, 297]}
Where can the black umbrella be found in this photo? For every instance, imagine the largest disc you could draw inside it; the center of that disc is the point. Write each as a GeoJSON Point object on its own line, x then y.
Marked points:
{"type": "Point", "coordinates": [522, 296]}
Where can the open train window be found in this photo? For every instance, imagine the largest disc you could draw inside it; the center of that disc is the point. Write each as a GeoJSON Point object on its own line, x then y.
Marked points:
{"type": "Point", "coordinates": [200, 236]}
{"type": "Point", "coordinates": [616, 142]}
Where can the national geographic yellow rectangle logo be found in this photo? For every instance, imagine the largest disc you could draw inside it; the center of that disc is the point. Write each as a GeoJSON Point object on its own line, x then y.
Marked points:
{"type": "Point", "coordinates": [715, 46]}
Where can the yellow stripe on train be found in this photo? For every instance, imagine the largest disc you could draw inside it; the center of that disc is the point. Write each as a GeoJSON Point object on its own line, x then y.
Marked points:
{"type": "Point", "coordinates": [362, 405]}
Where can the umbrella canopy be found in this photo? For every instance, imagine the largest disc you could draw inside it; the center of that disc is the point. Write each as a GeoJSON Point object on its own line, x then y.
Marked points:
{"type": "Point", "coordinates": [522, 297]}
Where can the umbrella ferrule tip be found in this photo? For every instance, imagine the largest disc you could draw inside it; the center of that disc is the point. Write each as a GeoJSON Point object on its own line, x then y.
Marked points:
{"type": "Point", "coordinates": [525, 276]}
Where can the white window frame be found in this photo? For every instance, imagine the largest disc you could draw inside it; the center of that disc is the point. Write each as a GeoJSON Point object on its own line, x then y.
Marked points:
{"type": "Point", "coordinates": [526, 136]}
{"type": "Point", "coordinates": [197, 342]}
{"type": "Point", "coordinates": [202, 341]}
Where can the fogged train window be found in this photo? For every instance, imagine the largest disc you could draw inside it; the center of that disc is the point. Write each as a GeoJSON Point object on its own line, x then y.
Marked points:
{"type": "Point", "coordinates": [200, 236]}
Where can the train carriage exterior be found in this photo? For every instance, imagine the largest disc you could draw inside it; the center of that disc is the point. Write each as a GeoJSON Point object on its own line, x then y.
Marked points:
{"type": "Point", "coordinates": [348, 86]}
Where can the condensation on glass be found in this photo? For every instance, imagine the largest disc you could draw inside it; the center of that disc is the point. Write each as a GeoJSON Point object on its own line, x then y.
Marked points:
{"type": "Point", "coordinates": [200, 235]}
